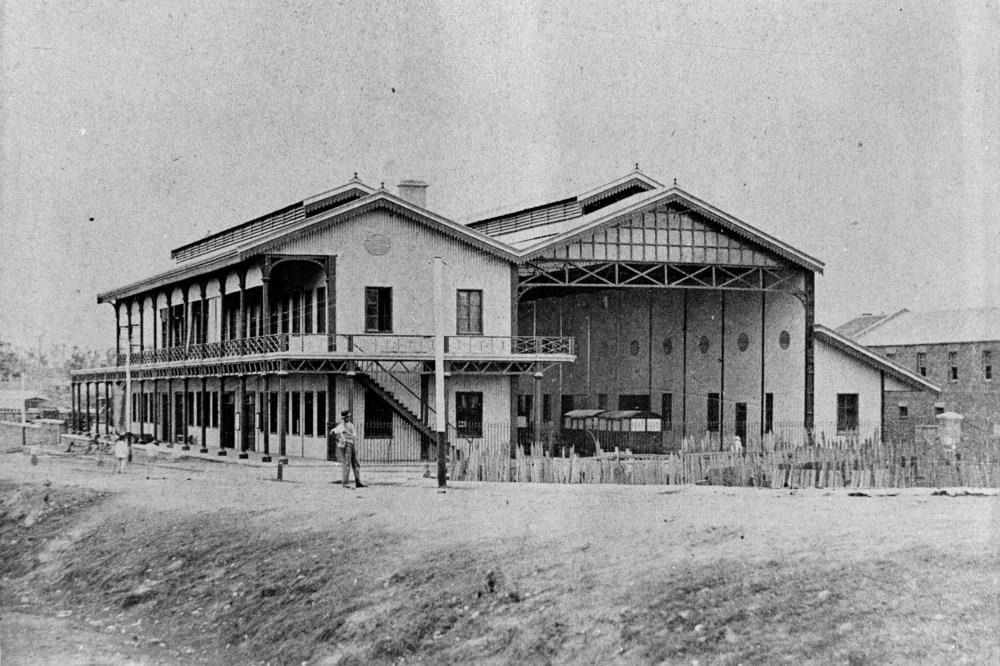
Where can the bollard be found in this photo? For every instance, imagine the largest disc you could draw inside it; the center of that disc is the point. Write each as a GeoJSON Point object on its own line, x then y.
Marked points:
{"type": "Point", "coordinates": [280, 468]}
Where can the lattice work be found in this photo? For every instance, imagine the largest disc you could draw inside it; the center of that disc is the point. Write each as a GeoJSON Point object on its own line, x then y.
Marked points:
{"type": "Point", "coordinates": [577, 273]}
{"type": "Point", "coordinates": [665, 235]}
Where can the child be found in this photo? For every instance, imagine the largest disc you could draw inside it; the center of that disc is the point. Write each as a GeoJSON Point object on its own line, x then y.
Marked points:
{"type": "Point", "coordinates": [121, 453]}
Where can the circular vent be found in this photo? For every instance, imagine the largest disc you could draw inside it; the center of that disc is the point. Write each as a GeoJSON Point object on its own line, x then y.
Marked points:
{"type": "Point", "coordinates": [703, 344]}
{"type": "Point", "coordinates": [378, 244]}
{"type": "Point", "coordinates": [743, 342]}
{"type": "Point", "coordinates": [784, 339]}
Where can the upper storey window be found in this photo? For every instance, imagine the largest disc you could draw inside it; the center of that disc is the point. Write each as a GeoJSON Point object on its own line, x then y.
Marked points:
{"type": "Point", "coordinates": [470, 312]}
{"type": "Point", "coordinates": [378, 309]}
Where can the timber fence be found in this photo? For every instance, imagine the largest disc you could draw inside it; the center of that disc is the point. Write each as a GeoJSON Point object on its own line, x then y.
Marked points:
{"type": "Point", "coordinates": [889, 465]}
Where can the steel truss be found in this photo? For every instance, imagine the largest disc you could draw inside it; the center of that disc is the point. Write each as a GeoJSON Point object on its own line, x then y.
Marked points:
{"type": "Point", "coordinates": [588, 273]}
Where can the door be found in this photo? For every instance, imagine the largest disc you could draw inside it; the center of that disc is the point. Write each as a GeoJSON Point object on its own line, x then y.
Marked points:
{"type": "Point", "coordinates": [247, 414]}
{"type": "Point", "coordinates": [165, 418]}
{"type": "Point", "coordinates": [741, 423]}
{"type": "Point", "coordinates": [180, 426]}
{"type": "Point", "coordinates": [227, 421]}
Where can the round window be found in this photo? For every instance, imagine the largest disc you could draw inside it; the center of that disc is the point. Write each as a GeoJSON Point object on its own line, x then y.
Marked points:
{"type": "Point", "coordinates": [703, 344]}
{"type": "Point", "coordinates": [743, 342]}
{"type": "Point", "coordinates": [633, 347]}
{"type": "Point", "coordinates": [784, 339]}
{"type": "Point", "coordinates": [668, 345]}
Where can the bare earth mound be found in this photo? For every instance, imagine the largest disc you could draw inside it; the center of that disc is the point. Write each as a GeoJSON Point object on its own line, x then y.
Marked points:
{"type": "Point", "coordinates": [220, 564]}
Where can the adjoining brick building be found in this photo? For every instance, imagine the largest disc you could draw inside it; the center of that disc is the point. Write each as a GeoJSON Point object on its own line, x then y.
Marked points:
{"type": "Point", "coordinates": [955, 349]}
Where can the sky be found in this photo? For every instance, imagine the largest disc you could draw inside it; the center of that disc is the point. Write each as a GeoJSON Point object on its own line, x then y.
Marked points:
{"type": "Point", "coordinates": [865, 134]}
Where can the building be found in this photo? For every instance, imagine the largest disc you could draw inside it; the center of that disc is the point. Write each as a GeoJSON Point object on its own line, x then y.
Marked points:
{"type": "Point", "coordinates": [629, 296]}
{"type": "Point", "coordinates": [16, 404]}
{"type": "Point", "coordinates": [856, 388]}
{"type": "Point", "coordinates": [955, 349]}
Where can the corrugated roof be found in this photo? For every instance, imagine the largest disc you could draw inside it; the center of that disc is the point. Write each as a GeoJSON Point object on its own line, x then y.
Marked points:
{"type": "Point", "coordinates": [852, 348]}
{"type": "Point", "coordinates": [936, 327]}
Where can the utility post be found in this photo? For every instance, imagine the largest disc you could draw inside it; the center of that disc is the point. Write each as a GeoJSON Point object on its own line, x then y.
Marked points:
{"type": "Point", "coordinates": [440, 424]}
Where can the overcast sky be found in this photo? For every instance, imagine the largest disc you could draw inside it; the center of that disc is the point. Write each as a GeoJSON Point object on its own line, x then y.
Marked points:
{"type": "Point", "coordinates": [865, 134]}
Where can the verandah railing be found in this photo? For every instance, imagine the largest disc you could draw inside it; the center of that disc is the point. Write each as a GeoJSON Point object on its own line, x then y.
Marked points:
{"type": "Point", "coordinates": [387, 345]}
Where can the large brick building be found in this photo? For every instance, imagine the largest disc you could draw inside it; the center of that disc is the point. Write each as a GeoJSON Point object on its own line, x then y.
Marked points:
{"type": "Point", "coordinates": [955, 349]}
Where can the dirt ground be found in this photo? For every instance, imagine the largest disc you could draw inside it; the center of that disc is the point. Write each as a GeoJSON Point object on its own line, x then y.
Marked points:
{"type": "Point", "coordinates": [192, 561]}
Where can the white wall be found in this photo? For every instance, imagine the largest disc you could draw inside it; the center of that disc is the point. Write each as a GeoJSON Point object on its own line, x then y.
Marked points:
{"type": "Point", "coordinates": [407, 268]}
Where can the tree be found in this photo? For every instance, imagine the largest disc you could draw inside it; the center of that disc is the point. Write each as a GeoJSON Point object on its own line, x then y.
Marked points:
{"type": "Point", "coordinates": [11, 363]}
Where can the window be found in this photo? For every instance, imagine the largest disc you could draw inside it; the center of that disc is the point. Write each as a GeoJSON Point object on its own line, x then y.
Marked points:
{"type": "Point", "coordinates": [296, 313]}
{"type": "Point", "coordinates": [198, 405]}
{"type": "Point", "coordinates": [308, 406]}
{"type": "Point", "coordinates": [470, 312]}
{"type": "Point", "coordinates": [177, 325]}
{"type": "Point", "coordinates": [524, 404]}
{"type": "Point", "coordinates": [768, 412]}
{"type": "Point", "coordinates": [639, 402]}
{"type": "Point", "coordinates": [953, 362]}
{"type": "Point", "coordinates": [215, 409]}
{"type": "Point", "coordinates": [308, 326]}
{"type": "Point", "coordinates": [469, 414]}
{"type": "Point", "coordinates": [196, 326]}
{"type": "Point", "coordinates": [321, 426]}
{"type": "Point", "coordinates": [987, 365]}
{"type": "Point", "coordinates": [566, 404]}
{"type": "Point", "coordinates": [602, 401]}
{"type": "Point", "coordinates": [938, 409]}
{"type": "Point", "coordinates": [321, 310]}
{"type": "Point", "coordinates": [135, 406]}
{"type": "Point", "coordinates": [189, 404]}
{"type": "Point", "coordinates": [667, 410]}
{"type": "Point", "coordinates": [891, 356]}
{"type": "Point", "coordinates": [272, 413]}
{"type": "Point", "coordinates": [378, 309]}
{"type": "Point", "coordinates": [283, 315]}
{"type": "Point", "coordinates": [904, 412]}
{"type": "Point", "coordinates": [847, 412]}
{"type": "Point", "coordinates": [922, 363]}
{"type": "Point", "coordinates": [713, 412]}
{"type": "Point", "coordinates": [546, 408]}
{"type": "Point", "coordinates": [296, 416]}
{"type": "Point", "coordinates": [378, 416]}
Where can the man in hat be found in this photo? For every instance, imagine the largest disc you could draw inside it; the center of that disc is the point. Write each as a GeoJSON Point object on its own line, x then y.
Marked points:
{"type": "Point", "coordinates": [347, 436]}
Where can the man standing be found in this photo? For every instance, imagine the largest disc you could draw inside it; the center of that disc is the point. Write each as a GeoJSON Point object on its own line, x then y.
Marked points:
{"type": "Point", "coordinates": [348, 440]}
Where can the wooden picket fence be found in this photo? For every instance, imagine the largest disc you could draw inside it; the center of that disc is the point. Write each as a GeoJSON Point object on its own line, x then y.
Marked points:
{"type": "Point", "coordinates": [806, 467]}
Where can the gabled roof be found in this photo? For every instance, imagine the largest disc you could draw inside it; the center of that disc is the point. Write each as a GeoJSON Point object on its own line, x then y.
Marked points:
{"type": "Point", "coordinates": [261, 244]}
{"type": "Point", "coordinates": [936, 327]}
{"type": "Point", "coordinates": [567, 206]}
{"type": "Point", "coordinates": [867, 356]}
{"type": "Point", "coordinates": [865, 322]}
{"type": "Point", "coordinates": [536, 241]}
{"type": "Point", "coordinates": [281, 218]}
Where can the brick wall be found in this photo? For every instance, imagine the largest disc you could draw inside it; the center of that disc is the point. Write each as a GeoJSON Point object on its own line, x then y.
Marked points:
{"type": "Point", "coordinates": [971, 394]}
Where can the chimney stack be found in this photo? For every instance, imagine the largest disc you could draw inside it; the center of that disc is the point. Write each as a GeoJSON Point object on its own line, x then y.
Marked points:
{"type": "Point", "coordinates": [414, 192]}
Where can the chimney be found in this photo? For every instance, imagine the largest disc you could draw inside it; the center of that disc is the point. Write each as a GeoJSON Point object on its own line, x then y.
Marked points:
{"type": "Point", "coordinates": [414, 192]}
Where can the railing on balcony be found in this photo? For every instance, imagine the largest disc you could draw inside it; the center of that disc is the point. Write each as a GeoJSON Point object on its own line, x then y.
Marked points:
{"type": "Point", "coordinates": [409, 346]}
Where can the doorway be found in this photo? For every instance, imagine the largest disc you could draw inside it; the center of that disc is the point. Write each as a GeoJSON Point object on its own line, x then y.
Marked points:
{"type": "Point", "coordinates": [227, 421]}
{"type": "Point", "coordinates": [165, 417]}
{"type": "Point", "coordinates": [741, 422]}
{"type": "Point", "coordinates": [247, 432]}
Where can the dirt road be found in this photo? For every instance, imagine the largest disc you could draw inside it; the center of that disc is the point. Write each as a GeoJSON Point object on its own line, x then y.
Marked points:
{"type": "Point", "coordinates": [207, 562]}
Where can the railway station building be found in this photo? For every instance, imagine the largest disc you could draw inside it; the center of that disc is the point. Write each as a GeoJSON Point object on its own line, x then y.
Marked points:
{"type": "Point", "coordinates": [632, 296]}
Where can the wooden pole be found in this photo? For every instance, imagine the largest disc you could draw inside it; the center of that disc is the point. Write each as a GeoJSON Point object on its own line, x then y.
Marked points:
{"type": "Point", "coordinates": [440, 423]}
